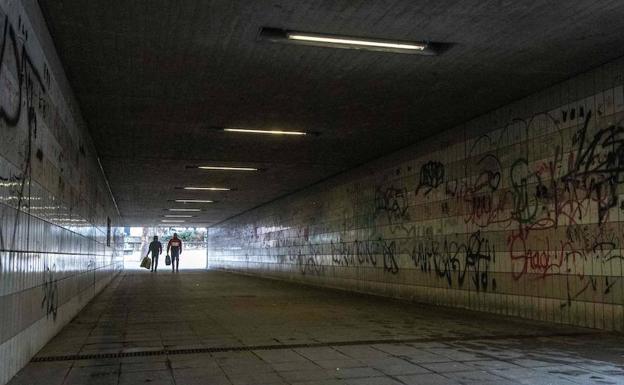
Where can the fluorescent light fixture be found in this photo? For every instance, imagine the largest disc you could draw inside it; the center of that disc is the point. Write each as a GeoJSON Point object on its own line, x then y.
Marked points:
{"type": "Point", "coordinates": [178, 216]}
{"type": "Point", "coordinates": [353, 41]}
{"type": "Point", "coordinates": [17, 198]}
{"type": "Point", "coordinates": [171, 221]}
{"type": "Point", "coordinates": [207, 188]}
{"type": "Point", "coordinates": [195, 210]}
{"type": "Point", "coordinates": [224, 168]}
{"type": "Point", "coordinates": [270, 132]}
{"type": "Point", "coordinates": [193, 201]}
{"type": "Point", "coordinates": [277, 35]}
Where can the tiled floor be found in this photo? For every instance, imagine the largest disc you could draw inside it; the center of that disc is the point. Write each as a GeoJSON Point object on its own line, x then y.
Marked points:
{"type": "Point", "coordinates": [220, 329]}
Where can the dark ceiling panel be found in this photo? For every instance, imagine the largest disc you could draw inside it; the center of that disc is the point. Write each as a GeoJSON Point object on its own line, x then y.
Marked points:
{"type": "Point", "coordinates": [153, 76]}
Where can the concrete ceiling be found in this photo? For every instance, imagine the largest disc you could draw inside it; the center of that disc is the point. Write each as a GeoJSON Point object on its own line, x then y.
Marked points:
{"type": "Point", "coordinates": [153, 76]}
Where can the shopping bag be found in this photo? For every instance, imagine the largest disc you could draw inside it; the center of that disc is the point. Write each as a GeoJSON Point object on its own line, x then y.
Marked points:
{"type": "Point", "coordinates": [146, 262]}
{"type": "Point", "coordinates": [167, 260]}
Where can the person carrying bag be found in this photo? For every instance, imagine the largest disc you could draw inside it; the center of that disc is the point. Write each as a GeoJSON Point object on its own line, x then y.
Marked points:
{"type": "Point", "coordinates": [175, 247]}
{"type": "Point", "coordinates": [146, 262]}
{"type": "Point", "coordinates": [155, 248]}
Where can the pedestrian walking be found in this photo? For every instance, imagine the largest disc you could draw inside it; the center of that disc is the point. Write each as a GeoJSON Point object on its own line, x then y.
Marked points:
{"type": "Point", "coordinates": [174, 249]}
{"type": "Point", "coordinates": [155, 247]}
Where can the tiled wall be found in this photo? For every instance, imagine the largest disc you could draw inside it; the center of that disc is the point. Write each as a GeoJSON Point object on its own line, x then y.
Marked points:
{"type": "Point", "coordinates": [516, 212]}
{"type": "Point", "coordinates": [55, 206]}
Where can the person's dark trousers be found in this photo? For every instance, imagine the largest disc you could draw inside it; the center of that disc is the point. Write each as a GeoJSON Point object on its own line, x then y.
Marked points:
{"type": "Point", "coordinates": [175, 262]}
{"type": "Point", "coordinates": [155, 263]}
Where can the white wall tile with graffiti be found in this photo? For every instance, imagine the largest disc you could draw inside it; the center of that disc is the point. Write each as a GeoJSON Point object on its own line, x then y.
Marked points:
{"type": "Point", "coordinates": [57, 218]}
{"type": "Point", "coordinates": [516, 212]}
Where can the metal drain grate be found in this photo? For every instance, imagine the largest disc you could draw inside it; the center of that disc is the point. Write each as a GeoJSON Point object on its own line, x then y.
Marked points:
{"type": "Point", "coordinates": [96, 356]}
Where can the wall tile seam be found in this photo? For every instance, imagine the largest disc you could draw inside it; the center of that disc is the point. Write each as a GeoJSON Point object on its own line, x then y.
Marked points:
{"type": "Point", "coordinates": [357, 270]}
{"type": "Point", "coordinates": [326, 224]}
{"type": "Point", "coordinates": [93, 239]}
{"type": "Point", "coordinates": [80, 198]}
{"type": "Point", "coordinates": [487, 230]}
{"type": "Point", "coordinates": [97, 228]}
{"type": "Point", "coordinates": [103, 254]}
{"type": "Point", "coordinates": [72, 276]}
{"type": "Point", "coordinates": [76, 294]}
{"type": "Point", "coordinates": [347, 271]}
{"type": "Point", "coordinates": [376, 269]}
{"type": "Point", "coordinates": [499, 226]}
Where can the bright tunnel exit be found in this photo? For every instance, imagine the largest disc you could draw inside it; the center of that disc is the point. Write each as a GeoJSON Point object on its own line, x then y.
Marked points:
{"type": "Point", "coordinates": [138, 239]}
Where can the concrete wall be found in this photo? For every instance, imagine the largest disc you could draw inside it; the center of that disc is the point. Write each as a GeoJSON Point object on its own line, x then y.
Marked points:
{"type": "Point", "coordinates": [516, 212]}
{"type": "Point", "coordinates": [54, 202]}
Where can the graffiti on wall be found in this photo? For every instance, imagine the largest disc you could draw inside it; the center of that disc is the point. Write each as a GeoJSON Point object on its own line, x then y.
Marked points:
{"type": "Point", "coordinates": [457, 262]}
{"type": "Point", "coordinates": [534, 204]}
{"type": "Point", "coordinates": [24, 87]}
{"type": "Point", "coordinates": [431, 176]}
{"type": "Point", "coordinates": [38, 125]}
{"type": "Point", "coordinates": [50, 298]}
{"type": "Point", "coordinates": [366, 253]}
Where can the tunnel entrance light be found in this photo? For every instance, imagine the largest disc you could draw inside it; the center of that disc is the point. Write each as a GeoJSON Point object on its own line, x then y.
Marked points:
{"type": "Point", "coordinates": [195, 210]}
{"type": "Point", "coordinates": [207, 188]}
{"type": "Point", "coordinates": [269, 132]}
{"type": "Point", "coordinates": [193, 201]}
{"type": "Point", "coordinates": [178, 216]}
{"type": "Point", "coordinates": [224, 168]}
{"type": "Point", "coordinates": [172, 221]}
{"type": "Point", "coordinates": [277, 35]}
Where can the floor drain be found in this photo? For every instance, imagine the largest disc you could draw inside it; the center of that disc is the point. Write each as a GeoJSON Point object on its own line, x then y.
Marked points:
{"type": "Point", "coordinates": [95, 356]}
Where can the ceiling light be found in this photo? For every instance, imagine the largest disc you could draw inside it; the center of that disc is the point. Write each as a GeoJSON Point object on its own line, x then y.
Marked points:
{"type": "Point", "coordinates": [185, 209]}
{"type": "Point", "coordinates": [171, 221]}
{"type": "Point", "coordinates": [351, 42]}
{"type": "Point", "coordinates": [223, 168]}
{"type": "Point", "coordinates": [272, 132]}
{"type": "Point", "coordinates": [178, 216]}
{"type": "Point", "coordinates": [207, 188]}
{"type": "Point", "coordinates": [193, 201]}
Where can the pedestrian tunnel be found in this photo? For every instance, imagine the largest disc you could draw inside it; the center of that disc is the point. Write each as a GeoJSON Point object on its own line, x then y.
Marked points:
{"type": "Point", "coordinates": [356, 193]}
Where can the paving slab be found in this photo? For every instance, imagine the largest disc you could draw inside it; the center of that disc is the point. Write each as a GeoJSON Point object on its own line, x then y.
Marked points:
{"type": "Point", "coordinates": [210, 327]}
